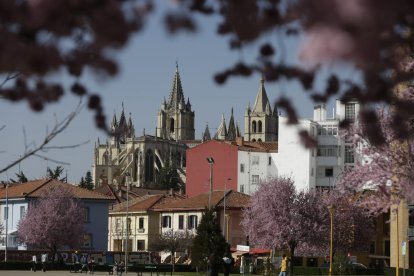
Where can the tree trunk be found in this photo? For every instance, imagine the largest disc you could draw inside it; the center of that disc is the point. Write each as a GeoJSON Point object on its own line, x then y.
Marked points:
{"type": "Point", "coordinates": [173, 260]}
{"type": "Point", "coordinates": [292, 255]}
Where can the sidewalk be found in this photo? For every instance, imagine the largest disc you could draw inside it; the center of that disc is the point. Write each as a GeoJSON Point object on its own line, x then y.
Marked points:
{"type": "Point", "coordinates": [53, 273]}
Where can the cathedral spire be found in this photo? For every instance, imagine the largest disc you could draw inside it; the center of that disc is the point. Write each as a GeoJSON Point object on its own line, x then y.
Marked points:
{"type": "Point", "coordinates": [131, 129]}
{"type": "Point", "coordinates": [114, 123]}
{"type": "Point", "coordinates": [176, 95]}
{"type": "Point", "coordinates": [231, 134]}
{"type": "Point", "coordinates": [221, 133]}
{"type": "Point", "coordinates": [262, 105]}
{"type": "Point", "coordinates": [206, 134]}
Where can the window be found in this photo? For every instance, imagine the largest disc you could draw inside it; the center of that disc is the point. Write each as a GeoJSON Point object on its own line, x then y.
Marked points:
{"type": "Point", "coordinates": [192, 222]}
{"type": "Point", "coordinates": [6, 213]}
{"type": "Point", "coordinates": [328, 150]}
{"type": "Point", "coordinates": [86, 214]}
{"type": "Point", "coordinates": [140, 244]}
{"type": "Point", "coordinates": [312, 172]}
{"type": "Point", "coordinates": [118, 225]}
{"type": "Point", "coordinates": [349, 154]}
{"type": "Point", "coordinates": [242, 168]}
{"type": "Point", "coordinates": [350, 111]}
{"type": "Point", "coordinates": [259, 126]}
{"type": "Point", "coordinates": [241, 188]}
{"type": "Point", "coordinates": [141, 223]}
{"type": "Point", "coordinates": [254, 126]}
{"type": "Point", "coordinates": [270, 161]}
{"type": "Point", "coordinates": [129, 225]}
{"type": "Point", "coordinates": [180, 222]}
{"type": "Point", "coordinates": [328, 172]}
{"type": "Point", "coordinates": [255, 160]}
{"type": "Point", "coordinates": [87, 241]}
{"type": "Point", "coordinates": [387, 248]}
{"type": "Point", "coordinates": [255, 179]}
{"type": "Point", "coordinates": [166, 221]}
{"type": "Point", "coordinates": [328, 130]}
{"type": "Point", "coordinates": [22, 211]}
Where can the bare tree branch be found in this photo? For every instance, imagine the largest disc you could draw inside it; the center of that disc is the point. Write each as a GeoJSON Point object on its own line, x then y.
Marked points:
{"type": "Point", "coordinates": [50, 159]}
{"type": "Point", "coordinates": [58, 128]}
{"type": "Point", "coordinates": [9, 76]}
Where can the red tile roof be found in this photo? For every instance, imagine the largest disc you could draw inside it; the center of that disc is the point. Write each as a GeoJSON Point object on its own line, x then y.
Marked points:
{"type": "Point", "coordinates": [259, 146]}
{"type": "Point", "coordinates": [36, 188]}
{"type": "Point", "coordinates": [200, 202]}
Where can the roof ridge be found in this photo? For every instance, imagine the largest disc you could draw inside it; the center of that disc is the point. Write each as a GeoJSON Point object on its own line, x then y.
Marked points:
{"type": "Point", "coordinates": [37, 188]}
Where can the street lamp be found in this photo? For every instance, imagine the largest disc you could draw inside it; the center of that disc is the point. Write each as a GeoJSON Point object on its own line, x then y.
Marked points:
{"type": "Point", "coordinates": [127, 174]}
{"type": "Point", "coordinates": [331, 212]}
{"type": "Point", "coordinates": [210, 160]}
{"type": "Point", "coordinates": [224, 211]}
{"type": "Point", "coordinates": [6, 185]}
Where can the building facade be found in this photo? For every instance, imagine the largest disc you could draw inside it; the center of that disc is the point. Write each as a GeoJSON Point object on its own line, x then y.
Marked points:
{"type": "Point", "coordinates": [21, 196]}
{"type": "Point", "coordinates": [142, 157]}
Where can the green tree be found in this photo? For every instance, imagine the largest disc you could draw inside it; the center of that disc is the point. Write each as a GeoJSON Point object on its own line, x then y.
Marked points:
{"type": "Point", "coordinates": [89, 181]}
{"type": "Point", "coordinates": [21, 178]}
{"type": "Point", "coordinates": [82, 183]}
{"type": "Point", "coordinates": [168, 177]}
{"type": "Point", "coordinates": [209, 245]}
{"type": "Point", "coordinates": [56, 173]}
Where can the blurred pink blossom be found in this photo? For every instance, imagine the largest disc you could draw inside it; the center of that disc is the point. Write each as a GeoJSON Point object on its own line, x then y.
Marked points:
{"type": "Point", "coordinates": [326, 44]}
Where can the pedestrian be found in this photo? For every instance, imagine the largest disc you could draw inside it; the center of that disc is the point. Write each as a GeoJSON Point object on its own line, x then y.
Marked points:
{"type": "Point", "coordinates": [34, 263]}
{"type": "Point", "coordinates": [283, 265]}
{"type": "Point", "coordinates": [84, 263]}
{"type": "Point", "coordinates": [120, 268]}
{"type": "Point", "coordinates": [91, 265]}
{"type": "Point", "coordinates": [44, 261]}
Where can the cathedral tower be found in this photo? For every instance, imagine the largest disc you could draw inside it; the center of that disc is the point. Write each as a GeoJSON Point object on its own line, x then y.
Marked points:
{"type": "Point", "coordinates": [261, 123]}
{"type": "Point", "coordinates": [175, 120]}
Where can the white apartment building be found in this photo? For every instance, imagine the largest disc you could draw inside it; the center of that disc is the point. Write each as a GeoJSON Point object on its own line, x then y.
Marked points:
{"type": "Point", "coordinates": [309, 168]}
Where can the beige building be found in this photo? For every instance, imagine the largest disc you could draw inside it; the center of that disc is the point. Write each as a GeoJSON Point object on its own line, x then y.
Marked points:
{"type": "Point", "coordinates": [142, 226]}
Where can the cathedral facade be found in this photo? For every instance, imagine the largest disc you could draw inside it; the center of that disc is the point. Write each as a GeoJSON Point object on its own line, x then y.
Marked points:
{"type": "Point", "coordinates": [125, 158]}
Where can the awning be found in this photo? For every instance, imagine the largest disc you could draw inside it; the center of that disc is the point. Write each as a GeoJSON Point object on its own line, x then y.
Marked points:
{"type": "Point", "coordinates": [258, 251]}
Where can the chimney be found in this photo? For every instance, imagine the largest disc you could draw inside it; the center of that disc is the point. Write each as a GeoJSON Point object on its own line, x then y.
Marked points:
{"type": "Point", "coordinates": [240, 141]}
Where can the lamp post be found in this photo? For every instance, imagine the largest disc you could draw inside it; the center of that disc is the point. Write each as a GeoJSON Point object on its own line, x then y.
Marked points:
{"type": "Point", "coordinates": [127, 174]}
{"type": "Point", "coordinates": [224, 211]}
{"type": "Point", "coordinates": [210, 160]}
{"type": "Point", "coordinates": [6, 185]}
{"type": "Point", "coordinates": [331, 212]}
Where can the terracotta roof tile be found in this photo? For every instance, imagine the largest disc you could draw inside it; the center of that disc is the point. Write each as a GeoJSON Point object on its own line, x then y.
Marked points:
{"type": "Point", "coordinates": [36, 188]}
{"type": "Point", "coordinates": [259, 146]}
{"type": "Point", "coordinates": [200, 202]}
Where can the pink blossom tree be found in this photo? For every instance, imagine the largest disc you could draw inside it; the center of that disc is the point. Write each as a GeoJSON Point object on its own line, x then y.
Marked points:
{"type": "Point", "coordinates": [53, 221]}
{"type": "Point", "coordinates": [280, 217]}
{"type": "Point", "coordinates": [353, 226]}
{"type": "Point", "coordinates": [384, 172]}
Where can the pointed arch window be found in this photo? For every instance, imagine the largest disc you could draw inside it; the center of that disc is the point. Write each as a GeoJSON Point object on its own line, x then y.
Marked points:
{"type": "Point", "coordinates": [105, 158]}
{"type": "Point", "coordinates": [172, 125]}
{"type": "Point", "coordinates": [259, 126]}
{"type": "Point", "coordinates": [149, 166]}
{"type": "Point", "coordinates": [254, 126]}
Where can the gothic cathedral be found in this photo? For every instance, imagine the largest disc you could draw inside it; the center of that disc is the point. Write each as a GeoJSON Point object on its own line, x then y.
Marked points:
{"type": "Point", "coordinates": [137, 160]}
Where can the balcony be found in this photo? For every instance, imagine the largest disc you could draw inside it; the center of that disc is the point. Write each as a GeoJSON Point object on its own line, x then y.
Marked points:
{"type": "Point", "coordinates": [141, 230]}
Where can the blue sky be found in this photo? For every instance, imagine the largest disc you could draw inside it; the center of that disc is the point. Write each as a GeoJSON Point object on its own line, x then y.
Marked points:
{"type": "Point", "coordinates": [147, 67]}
